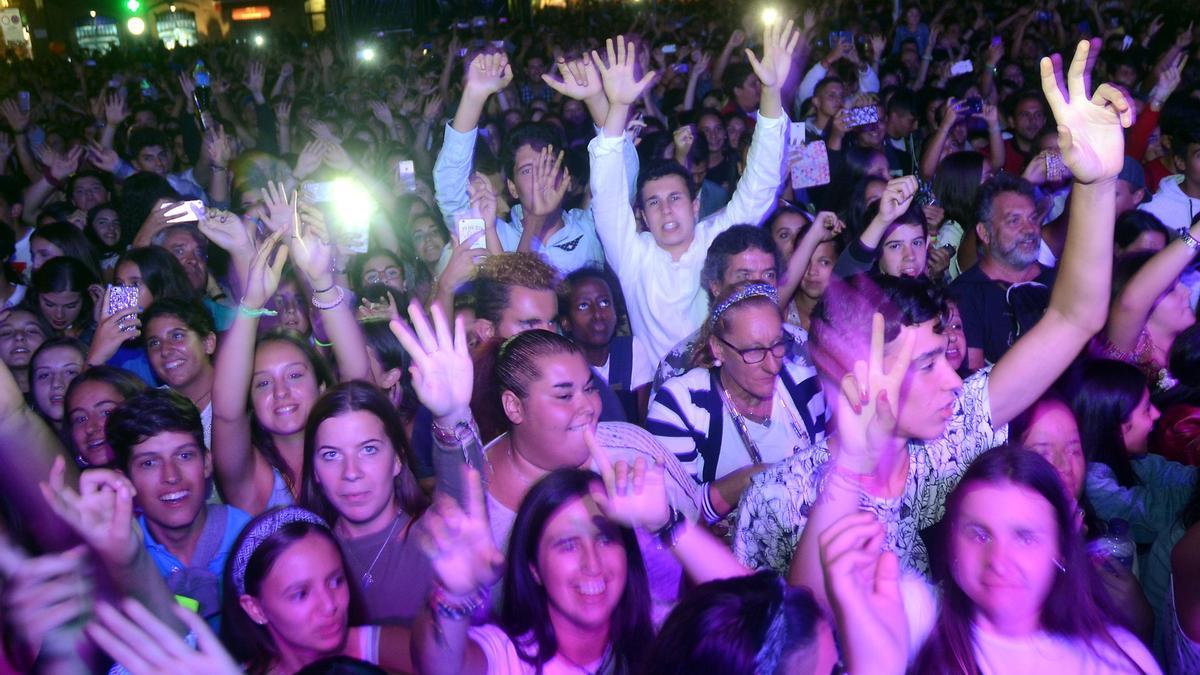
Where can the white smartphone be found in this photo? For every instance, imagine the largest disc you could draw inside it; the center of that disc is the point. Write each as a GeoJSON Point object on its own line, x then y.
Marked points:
{"type": "Point", "coordinates": [962, 68]}
{"type": "Point", "coordinates": [407, 174]}
{"type": "Point", "coordinates": [468, 227]}
{"type": "Point", "coordinates": [190, 211]}
{"type": "Point", "coordinates": [796, 136]}
{"type": "Point", "coordinates": [317, 193]}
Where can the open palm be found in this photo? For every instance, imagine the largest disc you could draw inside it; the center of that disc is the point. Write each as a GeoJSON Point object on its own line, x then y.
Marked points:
{"type": "Point", "coordinates": [442, 370]}
{"type": "Point", "coordinates": [778, 45]}
{"type": "Point", "coordinates": [580, 79]}
{"type": "Point", "coordinates": [1090, 130]}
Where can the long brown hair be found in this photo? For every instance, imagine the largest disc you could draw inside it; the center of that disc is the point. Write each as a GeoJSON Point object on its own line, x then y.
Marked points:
{"type": "Point", "coordinates": [1075, 607]}
{"type": "Point", "coordinates": [349, 397]}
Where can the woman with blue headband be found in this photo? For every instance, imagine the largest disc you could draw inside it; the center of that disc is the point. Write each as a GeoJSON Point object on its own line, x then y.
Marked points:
{"type": "Point", "coordinates": [742, 406]}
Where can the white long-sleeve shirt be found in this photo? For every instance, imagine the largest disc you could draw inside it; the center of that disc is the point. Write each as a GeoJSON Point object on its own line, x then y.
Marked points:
{"type": "Point", "coordinates": [868, 82]}
{"type": "Point", "coordinates": [664, 298]}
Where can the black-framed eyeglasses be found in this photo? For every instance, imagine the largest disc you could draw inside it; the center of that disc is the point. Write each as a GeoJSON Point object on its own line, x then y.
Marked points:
{"type": "Point", "coordinates": [755, 355]}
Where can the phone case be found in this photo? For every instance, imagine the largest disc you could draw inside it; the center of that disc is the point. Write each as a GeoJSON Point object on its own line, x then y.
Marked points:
{"type": "Point", "coordinates": [862, 116]}
{"type": "Point", "coordinates": [121, 298]}
{"type": "Point", "coordinates": [810, 167]}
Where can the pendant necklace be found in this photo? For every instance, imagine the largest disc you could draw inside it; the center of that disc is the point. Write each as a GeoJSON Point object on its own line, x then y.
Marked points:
{"type": "Point", "coordinates": [368, 578]}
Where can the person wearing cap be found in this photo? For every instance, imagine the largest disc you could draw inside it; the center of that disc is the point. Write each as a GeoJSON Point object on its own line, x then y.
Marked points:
{"type": "Point", "coordinates": [1131, 186]}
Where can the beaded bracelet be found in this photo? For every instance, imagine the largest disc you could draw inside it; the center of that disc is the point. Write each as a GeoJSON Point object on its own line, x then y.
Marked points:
{"type": "Point", "coordinates": [455, 609]}
{"type": "Point", "coordinates": [341, 295]}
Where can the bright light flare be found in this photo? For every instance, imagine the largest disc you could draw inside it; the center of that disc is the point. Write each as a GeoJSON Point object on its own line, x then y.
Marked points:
{"type": "Point", "coordinates": [367, 54]}
{"type": "Point", "coordinates": [351, 203]}
{"type": "Point", "coordinates": [136, 26]}
{"type": "Point", "coordinates": [770, 16]}
{"type": "Point", "coordinates": [259, 40]}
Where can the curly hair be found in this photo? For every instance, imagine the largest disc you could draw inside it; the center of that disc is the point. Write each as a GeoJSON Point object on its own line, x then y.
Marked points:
{"type": "Point", "coordinates": [499, 273]}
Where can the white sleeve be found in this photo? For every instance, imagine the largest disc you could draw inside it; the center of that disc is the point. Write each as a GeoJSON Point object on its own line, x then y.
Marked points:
{"type": "Point", "coordinates": [755, 195]}
{"type": "Point", "coordinates": [809, 83]}
{"type": "Point", "coordinates": [615, 224]}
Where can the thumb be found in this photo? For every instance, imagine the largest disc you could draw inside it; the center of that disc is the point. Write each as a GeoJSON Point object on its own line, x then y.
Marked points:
{"type": "Point", "coordinates": [887, 575]}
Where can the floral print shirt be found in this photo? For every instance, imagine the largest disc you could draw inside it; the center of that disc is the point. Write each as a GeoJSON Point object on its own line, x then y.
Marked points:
{"type": "Point", "coordinates": [774, 509]}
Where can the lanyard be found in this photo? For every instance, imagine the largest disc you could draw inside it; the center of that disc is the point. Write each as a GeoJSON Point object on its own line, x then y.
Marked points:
{"type": "Point", "coordinates": [740, 422]}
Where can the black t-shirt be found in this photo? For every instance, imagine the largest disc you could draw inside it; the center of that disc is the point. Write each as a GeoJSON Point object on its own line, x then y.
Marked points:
{"type": "Point", "coordinates": [995, 313]}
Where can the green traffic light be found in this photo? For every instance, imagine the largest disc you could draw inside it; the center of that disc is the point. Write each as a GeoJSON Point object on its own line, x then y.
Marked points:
{"type": "Point", "coordinates": [133, 5]}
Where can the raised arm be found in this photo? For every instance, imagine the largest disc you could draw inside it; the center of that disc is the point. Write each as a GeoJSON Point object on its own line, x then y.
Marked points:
{"type": "Point", "coordinates": [825, 226]}
{"type": "Point", "coordinates": [897, 197]}
{"type": "Point", "coordinates": [101, 513]}
{"type": "Point", "coordinates": [580, 80]}
{"type": "Point", "coordinates": [1093, 147]}
{"type": "Point", "coordinates": [312, 251]}
{"type": "Point", "coordinates": [443, 376]}
{"type": "Point", "coordinates": [485, 75]}
{"type": "Point", "coordinates": [28, 449]}
{"type": "Point", "coordinates": [755, 194]}
{"type": "Point", "coordinates": [244, 475]}
{"type": "Point", "coordinates": [466, 564]}
{"type": "Point", "coordinates": [615, 223]}
{"type": "Point", "coordinates": [1158, 276]}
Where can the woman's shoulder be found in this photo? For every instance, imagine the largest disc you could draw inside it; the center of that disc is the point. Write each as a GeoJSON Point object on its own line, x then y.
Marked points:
{"type": "Point", "coordinates": [696, 379]}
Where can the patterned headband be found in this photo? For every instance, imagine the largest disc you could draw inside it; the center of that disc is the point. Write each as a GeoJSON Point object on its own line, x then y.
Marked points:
{"type": "Point", "coordinates": [744, 293]}
{"type": "Point", "coordinates": [268, 524]}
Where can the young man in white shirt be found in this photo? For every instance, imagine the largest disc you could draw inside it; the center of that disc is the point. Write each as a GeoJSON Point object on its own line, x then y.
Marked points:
{"type": "Point", "coordinates": [659, 269]}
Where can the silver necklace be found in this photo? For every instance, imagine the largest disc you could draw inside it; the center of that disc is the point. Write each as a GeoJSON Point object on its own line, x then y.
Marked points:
{"type": "Point", "coordinates": [368, 578]}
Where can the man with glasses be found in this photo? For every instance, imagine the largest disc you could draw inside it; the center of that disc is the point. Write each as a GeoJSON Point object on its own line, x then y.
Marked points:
{"type": "Point", "coordinates": [1007, 291]}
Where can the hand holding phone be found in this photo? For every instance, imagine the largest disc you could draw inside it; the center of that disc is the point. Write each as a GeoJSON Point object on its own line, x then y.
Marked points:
{"type": "Point", "coordinates": [469, 226]}
{"type": "Point", "coordinates": [120, 298]}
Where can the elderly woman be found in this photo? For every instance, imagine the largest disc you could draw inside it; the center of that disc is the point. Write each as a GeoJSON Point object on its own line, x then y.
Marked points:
{"type": "Point", "coordinates": [742, 406]}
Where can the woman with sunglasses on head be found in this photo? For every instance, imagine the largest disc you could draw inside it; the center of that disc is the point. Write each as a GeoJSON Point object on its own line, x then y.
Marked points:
{"type": "Point", "coordinates": [549, 400]}
{"type": "Point", "coordinates": [743, 406]}
{"type": "Point", "coordinates": [258, 449]}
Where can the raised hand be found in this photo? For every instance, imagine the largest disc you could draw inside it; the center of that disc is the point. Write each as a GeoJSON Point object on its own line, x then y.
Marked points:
{"type": "Point", "coordinates": [262, 279]}
{"type": "Point", "coordinates": [282, 209]}
{"type": "Point", "coordinates": [61, 165]}
{"type": "Point", "coordinates": [580, 79]}
{"type": "Point", "coordinates": [459, 541]}
{"type": "Point", "coordinates": [897, 197]}
{"type": "Point", "coordinates": [337, 158]}
{"type": "Point", "coordinates": [442, 372]}
{"type": "Point", "coordinates": [620, 81]}
{"type": "Point", "coordinates": [869, 401]}
{"type": "Point", "coordinates": [1168, 80]}
{"type": "Point", "coordinates": [309, 159]}
{"type": "Point", "coordinates": [101, 513]}
{"type": "Point", "coordinates": [283, 113]}
{"type": "Point", "coordinates": [483, 198]}
{"type": "Point", "coordinates": [115, 110]}
{"type": "Point", "coordinates": [225, 229]}
{"type": "Point", "coordinates": [46, 600]}
{"type": "Point", "coordinates": [144, 645]}
{"type": "Point", "coordinates": [634, 496]}
{"type": "Point", "coordinates": [312, 249]}
{"type": "Point", "coordinates": [825, 226]}
{"type": "Point", "coordinates": [550, 182]}
{"type": "Point", "coordinates": [17, 119]}
{"type": "Point", "coordinates": [433, 108]}
{"type": "Point", "coordinates": [488, 73]}
{"type": "Point", "coordinates": [682, 139]}
{"type": "Point", "coordinates": [862, 582]}
{"type": "Point", "coordinates": [218, 146]}
{"type": "Point", "coordinates": [382, 112]}
{"type": "Point", "coordinates": [1089, 131]}
{"type": "Point", "coordinates": [736, 39]}
{"type": "Point", "coordinates": [256, 76]}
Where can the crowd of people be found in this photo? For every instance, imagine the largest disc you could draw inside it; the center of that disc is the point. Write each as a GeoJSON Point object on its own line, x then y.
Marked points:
{"type": "Point", "coordinates": [855, 338]}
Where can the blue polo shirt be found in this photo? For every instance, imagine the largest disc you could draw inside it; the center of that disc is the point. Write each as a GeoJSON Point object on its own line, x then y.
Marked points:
{"type": "Point", "coordinates": [200, 579]}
